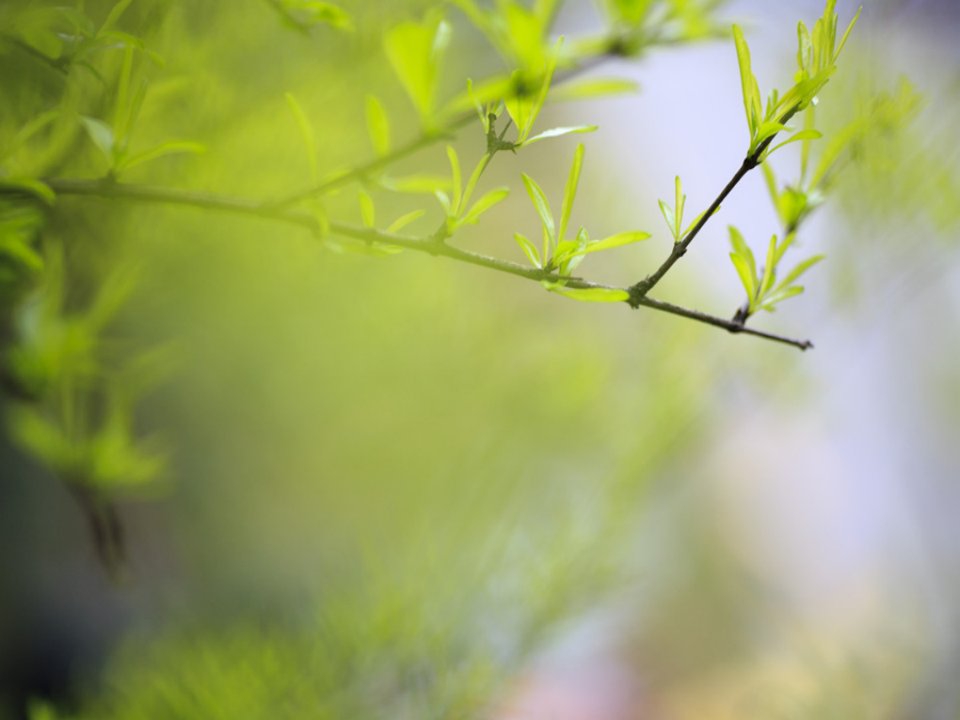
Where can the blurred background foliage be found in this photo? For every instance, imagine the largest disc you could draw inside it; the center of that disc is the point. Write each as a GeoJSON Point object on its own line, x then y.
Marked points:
{"type": "Point", "coordinates": [402, 487]}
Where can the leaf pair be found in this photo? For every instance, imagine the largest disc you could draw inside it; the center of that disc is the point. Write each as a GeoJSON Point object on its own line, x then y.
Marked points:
{"type": "Point", "coordinates": [457, 206]}
{"type": "Point", "coordinates": [763, 291]}
{"type": "Point", "coordinates": [673, 216]}
{"type": "Point", "coordinates": [560, 254]}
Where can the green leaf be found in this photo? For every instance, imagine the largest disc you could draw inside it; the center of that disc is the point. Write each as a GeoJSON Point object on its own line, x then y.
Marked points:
{"type": "Point", "coordinates": [415, 52]}
{"type": "Point", "coordinates": [456, 182]}
{"type": "Point", "coordinates": [769, 268]}
{"type": "Point", "coordinates": [745, 272]}
{"type": "Point", "coordinates": [796, 137]}
{"type": "Point", "coordinates": [782, 295]}
{"type": "Point", "coordinates": [799, 270]}
{"type": "Point", "coordinates": [593, 88]}
{"type": "Point", "coordinates": [487, 201]}
{"type": "Point", "coordinates": [542, 206]}
{"type": "Point", "coordinates": [618, 240]}
{"type": "Point", "coordinates": [524, 109]}
{"type": "Point", "coordinates": [475, 178]}
{"type": "Point", "coordinates": [748, 83]}
{"type": "Point", "coordinates": [743, 261]}
{"type": "Point", "coordinates": [401, 222]}
{"type": "Point", "coordinates": [529, 249]}
{"type": "Point", "coordinates": [558, 132]}
{"type": "Point", "coordinates": [168, 148]}
{"type": "Point", "coordinates": [668, 218]}
{"type": "Point", "coordinates": [113, 16]}
{"type": "Point", "coordinates": [306, 134]}
{"type": "Point", "coordinates": [367, 210]}
{"type": "Point", "coordinates": [597, 295]}
{"type": "Point", "coordinates": [695, 222]}
{"type": "Point", "coordinates": [378, 126]}
{"type": "Point", "coordinates": [37, 188]}
{"type": "Point", "coordinates": [416, 184]}
{"type": "Point", "coordinates": [679, 201]}
{"type": "Point", "coordinates": [101, 134]}
{"type": "Point", "coordinates": [570, 191]}
{"type": "Point", "coordinates": [846, 34]}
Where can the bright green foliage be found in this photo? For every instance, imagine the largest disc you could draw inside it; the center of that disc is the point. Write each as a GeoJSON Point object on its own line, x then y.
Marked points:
{"type": "Point", "coordinates": [561, 254]}
{"type": "Point", "coordinates": [60, 359]}
{"type": "Point", "coordinates": [763, 291]}
{"type": "Point", "coordinates": [307, 134]}
{"type": "Point", "coordinates": [519, 33]}
{"type": "Point", "coordinates": [305, 14]}
{"type": "Point", "coordinates": [638, 23]}
{"type": "Point", "coordinates": [817, 56]}
{"type": "Point", "coordinates": [416, 51]}
{"type": "Point", "coordinates": [457, 207]}
{"type": "Point", "coordinates": [378, 126]}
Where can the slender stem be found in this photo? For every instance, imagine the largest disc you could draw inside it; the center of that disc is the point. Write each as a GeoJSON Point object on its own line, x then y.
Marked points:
{"type": "Point", "coordinates": [729, 325]}
{"type": "Point", "coordinates": [640, 289]}
{"type": "Point", "coordinates": [302, 219]}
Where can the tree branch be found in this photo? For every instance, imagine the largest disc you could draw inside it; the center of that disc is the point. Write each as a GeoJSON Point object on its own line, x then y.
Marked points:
{"type": "Point", "coordinates": [430, 245]}
{"type": "Point", "coordinates": [640, 289]}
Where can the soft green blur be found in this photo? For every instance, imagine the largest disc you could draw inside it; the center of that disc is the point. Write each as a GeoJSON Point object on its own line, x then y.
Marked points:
{"type": "Point", "coordinates": [389, 483]}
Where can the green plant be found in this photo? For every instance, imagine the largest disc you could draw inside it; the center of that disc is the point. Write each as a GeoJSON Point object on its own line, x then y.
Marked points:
{"type": "Point", "coordinates": [74, 417]}
{"type": "Point", "coordinates": [80, 143]}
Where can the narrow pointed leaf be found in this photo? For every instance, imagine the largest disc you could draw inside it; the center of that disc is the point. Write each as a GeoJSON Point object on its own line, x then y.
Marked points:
{"type": "Point", "coordinates": [570, 191]}
{"type": "Point", "coordinates": [593, 88]}
{"type": "Point", "coordinates": [529, 249]}
{"type": "Point", "coordinates": [618, 240]}
{"type": "Point", "coordinates": [542, 206]}
{"type": "Point", "coordinates": [558, 132]}
{"type": "Point", "coordinates": [170, 148]}
{"type": "Point", "coordinates": [378, 126]}
{"type": "Point", "coordinates": [457, 179]}
{"type": "Point", "coordinates": [597, 295]}
{"type": "Point", "coordinates": [799, 270]}
{"type": "Point", "coordinates": [487, 201]}
{"type": "Point", "coordinates": [401, 222]}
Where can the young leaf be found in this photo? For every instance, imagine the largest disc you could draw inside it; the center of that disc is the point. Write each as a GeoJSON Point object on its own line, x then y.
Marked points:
{"type": "Point", "coordinates": [306, 133]}
{"type": "Point", "coordinates": [529, 249]}
{"type": "Point", "coordinates": [558, 132]}
{"type": "Point", "coordinates": [803, 135]}
{"type": "Point", "coordinates": [799, 270]}
{"type": "Point", "coordinates": [378, 126]}
{"type": "Point", "coordinates": [668, 218]}
{"type": "Point", "coordinates": [601, 295]}
{"type": "Point", "coordinates": [593, 88]}
{"type": "Point", "coordinates": [415, 52]}
{"type": "Point", "coordinates": [542, 206]}
{"type": "Point", "coordinates": [747, 277]}
{"type": "Point", "coordinates": [401, 222]}
{"type": "Point", "coordinates": [748, 83]}
{"type": "Point", "coordinates": [37, 188]}
{"type": "Point", "coordinates": [570, 191]}
{"type": "Point", "coordinates": [457, 180]}
{"type": "Point", "coordinates": [367, 210]}
{"type": "Point", "coordinates": [487, 201]}
{"type": "Point", "coordinates": [475, 178]}
{"type": "Point", "coordinates": [618, 240]}
{"type": "Point", "coordinates": [769, 268]}
{"type": "Point", "coordinates": [101, 134]}
{"type": "Point", "coordinates": [169, 148]}
{"type": "Point", "coordinates": [416, 184]}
